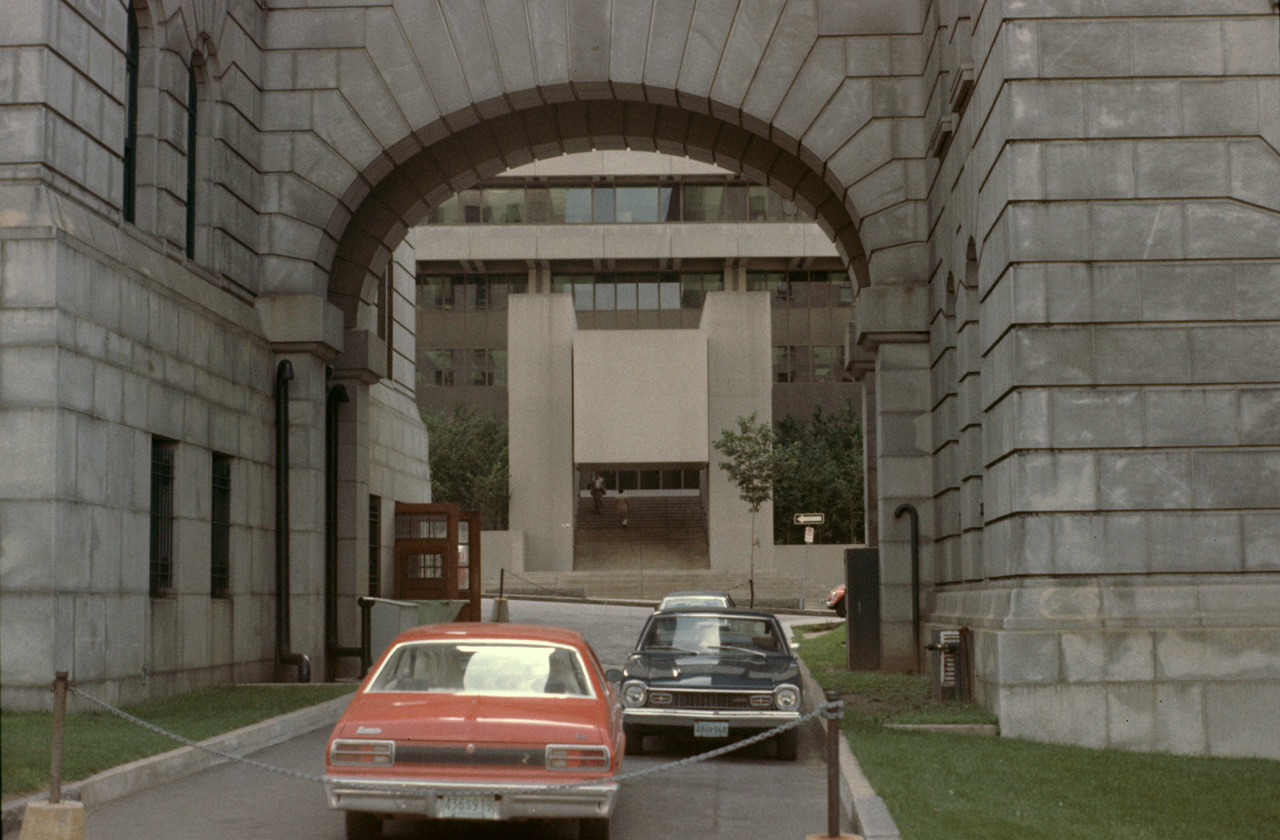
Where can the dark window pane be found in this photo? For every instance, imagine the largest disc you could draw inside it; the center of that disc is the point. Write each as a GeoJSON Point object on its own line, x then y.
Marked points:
{"type": "Point", "coordinates": [577, 205]}
{"type": "Point", "coordinates": [671, 480]}
{"type": "Point", "coordinates": [449, 212]}
{"type": "Point", "coordinates": [713, 282]}
{"type": "Point", "coordinates": [650, 480]}
{"type": "Point", "coordinates": [763, 204]}
{"type": "Point", "coordinates": [498, 358]}
{"type": "Point", "coordinates": [472, 202]}
{"type": "Point", "coordinates": [626, 290]}
{"type": "Point", "coordinates": [606, 294]}
{"type": "Point", "coordinates": [637, 204]}
{"type": "Point", "coordinates": [220, 529]}
{"type": "Point", "coordinates": [669, 204]}
{"type": "Point", "coordinates": [627, 479]}
{"type": "Point", "coordinates": [582, 295]}
{"type": "Point", "coordinates": [537, 205]}
{"type": "Point", "coordinates": [691, 294]}
{"type": "Point", "coordinates": [691, 481]}
{"type": "Point", "coordinates": [647, 291]}
{"type": "Point", "coordinates": [702, 202]}
{"type": "Point", "coordinates": [735, 203]}
{"type": "Point", "coordinates": [161, 567]}
{"type": "Point", "coordinates": [375, 546]}
{"type": "Point", "coordinates": [669, 294]}
{"type": "Point", "coordinates": [562, 282]}
{"type": "Point", "coordinates": [602, 205]}
{"type": "Point", "coordinates": [504, 206]}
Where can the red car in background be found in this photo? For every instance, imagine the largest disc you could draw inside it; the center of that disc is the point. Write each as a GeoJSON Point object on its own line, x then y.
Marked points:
{"type": "Point", "coordinates": [479, 722]}
{"type": "Point", "coordinates": [835, 600]}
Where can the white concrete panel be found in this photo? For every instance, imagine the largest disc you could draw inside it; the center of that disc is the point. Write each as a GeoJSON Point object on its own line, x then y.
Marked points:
{"type": "Point", "coordinates": [656, 412]}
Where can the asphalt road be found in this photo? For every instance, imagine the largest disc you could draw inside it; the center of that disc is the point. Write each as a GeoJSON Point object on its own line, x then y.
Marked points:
{"type": "Point", "coordinates": [744, 795]}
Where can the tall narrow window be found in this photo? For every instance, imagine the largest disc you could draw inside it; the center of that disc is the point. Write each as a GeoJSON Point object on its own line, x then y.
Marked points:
{"type": "Point", "coordinates": [220, 529]}
{"type": "Point", "coordinates": [129, 194]}
{"type": "Point", "coordinates": [191, 161]}
{"type": "Point", "coordinates": [375, 546]}
{"type": "Point", "coordinates": [161, 517]}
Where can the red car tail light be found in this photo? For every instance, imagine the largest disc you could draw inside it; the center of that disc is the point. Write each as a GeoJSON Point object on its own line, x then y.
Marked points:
{"type": "Point", "coordinates": [363, 753]}
{"type": "Point", "coordinates": [577, 759]}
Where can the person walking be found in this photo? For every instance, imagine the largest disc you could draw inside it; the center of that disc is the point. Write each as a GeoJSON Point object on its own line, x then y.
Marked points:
{"type": "Point", "coordinates": [597, 493]}
{"type": "Point", "coordinates": [622, 507]}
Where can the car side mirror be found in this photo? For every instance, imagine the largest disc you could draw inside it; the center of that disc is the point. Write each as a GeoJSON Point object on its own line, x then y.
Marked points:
{"type": "Point", "coordinates": [613, 675]}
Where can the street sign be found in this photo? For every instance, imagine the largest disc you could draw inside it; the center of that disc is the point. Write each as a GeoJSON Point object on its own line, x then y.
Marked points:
{"type": "Point", "coordinates": [809, 518]}
{"type": "Point", "coordinates": [808, 535]}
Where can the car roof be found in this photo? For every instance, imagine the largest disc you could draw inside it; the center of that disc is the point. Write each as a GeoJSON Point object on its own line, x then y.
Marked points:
{"type": "Point", "coordinates": [491, 630]}
{"type": "Point", "coordinates": [699, 593]}
{"type": "Point", "coordinates": [731, 612]}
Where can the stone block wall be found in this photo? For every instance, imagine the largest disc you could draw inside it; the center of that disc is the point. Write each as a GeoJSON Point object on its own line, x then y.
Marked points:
{"type": "Point", "coordinates": [100, 353]}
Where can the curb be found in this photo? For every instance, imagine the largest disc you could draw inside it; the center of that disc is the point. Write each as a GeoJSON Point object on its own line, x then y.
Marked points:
{"type": "Point", "coordinates": [146, 772]}
{"type": "Point", "coordinates": [860, 807]}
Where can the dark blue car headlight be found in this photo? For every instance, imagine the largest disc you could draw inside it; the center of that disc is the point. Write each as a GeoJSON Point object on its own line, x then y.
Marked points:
{"type": "Point", "coordinates": [787, 697]}
{"type": "Point", "coordinates": [634, 694]}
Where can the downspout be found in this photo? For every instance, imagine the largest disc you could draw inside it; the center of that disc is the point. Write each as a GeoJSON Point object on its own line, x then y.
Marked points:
{"type": "Point", "coordinates": [915, 576]}
{"type": "Point", "coordinates": [332, 650]}
{"type": "Point", "coordinates": [284, 657]}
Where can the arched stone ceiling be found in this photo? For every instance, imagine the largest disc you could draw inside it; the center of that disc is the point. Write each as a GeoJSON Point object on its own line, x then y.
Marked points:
{"type": "Point", "coordinates": [380, 208]}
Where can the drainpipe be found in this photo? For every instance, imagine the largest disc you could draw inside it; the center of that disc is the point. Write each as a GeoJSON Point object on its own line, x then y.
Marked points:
{"type": "Point", "coordinates": [915, 576]}
{"type": "Point", "coordinates": [332, 650]}
{"type": "Point", "coordinates": [285, 657]}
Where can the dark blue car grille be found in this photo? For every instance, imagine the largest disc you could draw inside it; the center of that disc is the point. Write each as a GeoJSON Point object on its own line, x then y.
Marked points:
{"type": "Point", "coordinates": [708, 699]}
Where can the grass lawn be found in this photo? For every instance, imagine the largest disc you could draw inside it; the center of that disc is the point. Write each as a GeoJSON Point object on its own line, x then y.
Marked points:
{"type": "Point", "coordinates": [97, 741]}
{"type": "Point", "coordinates": [956, 787]}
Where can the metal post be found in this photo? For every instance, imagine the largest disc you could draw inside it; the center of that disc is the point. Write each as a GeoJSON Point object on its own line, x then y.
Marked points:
{"type": "Point", "coordinates": [59, 722]}
{"type": "Point", "coordinates": [804, 586]}
{"type": "Point", "coordinates": [502, 583]}
{"type": "Point", "coordinates": [833, 765]}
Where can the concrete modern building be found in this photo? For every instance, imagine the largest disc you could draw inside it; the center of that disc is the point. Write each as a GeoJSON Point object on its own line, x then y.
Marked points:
{"type": "Point", "coordinates": [1062, 221]}
{"type": "Point", "coordinates": [647, 244]}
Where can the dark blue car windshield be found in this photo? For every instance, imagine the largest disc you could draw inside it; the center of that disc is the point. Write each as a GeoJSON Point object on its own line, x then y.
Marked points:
{"type": "Point", "coordinates": [712, 634]}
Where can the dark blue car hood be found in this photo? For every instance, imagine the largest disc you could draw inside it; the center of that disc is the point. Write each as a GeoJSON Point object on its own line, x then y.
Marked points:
{"type": "Point", "coordinates": [726, 669]}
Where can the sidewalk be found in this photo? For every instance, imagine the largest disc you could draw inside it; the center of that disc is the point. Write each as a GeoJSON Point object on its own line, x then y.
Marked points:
{"type": "Point", "coordinates": [146, 772]}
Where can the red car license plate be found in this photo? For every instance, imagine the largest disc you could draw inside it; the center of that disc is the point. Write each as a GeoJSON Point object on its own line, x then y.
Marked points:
{"type": "Point", "coordinates": [454, 806]}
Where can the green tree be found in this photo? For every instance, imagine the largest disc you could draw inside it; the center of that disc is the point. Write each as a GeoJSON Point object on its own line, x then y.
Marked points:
{"type": "Point", "coordinates": [825, 476]}
{"type": "Point", "coordinates": [755, 462]}
{"type": "Point", "coordinates": [469, 463]}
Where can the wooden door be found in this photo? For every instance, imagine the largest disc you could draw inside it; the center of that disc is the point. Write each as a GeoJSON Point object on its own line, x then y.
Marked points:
{"type": "Point", "coordinates": [426, 552]}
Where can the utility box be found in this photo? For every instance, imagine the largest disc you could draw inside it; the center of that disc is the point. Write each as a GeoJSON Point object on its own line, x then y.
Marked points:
{"type": "Point", "coordinates": [862, 608]}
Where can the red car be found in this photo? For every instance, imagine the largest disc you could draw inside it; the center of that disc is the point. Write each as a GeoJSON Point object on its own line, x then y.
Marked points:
{"type": "Point", "coordinates": [479, 722]}
{"type": "Point", "coordinates": [835, 601]}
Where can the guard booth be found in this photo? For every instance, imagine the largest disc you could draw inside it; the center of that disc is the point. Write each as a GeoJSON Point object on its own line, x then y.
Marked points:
{"type": "Point", "coordinates": [437, 559]}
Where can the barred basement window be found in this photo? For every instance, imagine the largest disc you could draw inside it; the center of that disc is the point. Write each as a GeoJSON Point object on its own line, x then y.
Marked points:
{"type": "Point", "coordinates": [375, 546]}
{"type": "Point", "coordinates": [162, 452]}
{"type": "Point", "coordinates": [220, 529]}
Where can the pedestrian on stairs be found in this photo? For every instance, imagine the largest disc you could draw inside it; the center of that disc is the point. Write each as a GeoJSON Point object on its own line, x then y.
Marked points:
{"type": "Point", "coordinates": [597, 493]}
{"type": "Point", "coordinates": [622, 507]}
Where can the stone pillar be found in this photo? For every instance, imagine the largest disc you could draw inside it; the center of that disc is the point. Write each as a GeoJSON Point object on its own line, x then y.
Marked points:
{"type": "Point", "coordinates": [360, 366]}
{"type": "Point", "coordinates": [891, 320]}
{"type": "Point", "coordinates": [739, 327]}
{"type": "Point", "coordinates": [307, 332]}
{"type": "Point", "coordinates": [540, 383]}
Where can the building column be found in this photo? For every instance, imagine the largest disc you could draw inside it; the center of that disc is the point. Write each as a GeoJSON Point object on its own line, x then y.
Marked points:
{"type": "Point", "coordinates": [306, 331]}
{"type": "Point", "coordinates": [891, 320]}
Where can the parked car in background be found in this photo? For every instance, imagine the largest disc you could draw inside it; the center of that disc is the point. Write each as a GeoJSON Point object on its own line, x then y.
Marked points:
{"type": "Point", "coordinates": [696, 598]}
{"type": "Point", "coordinates": [835, 600]}
{"type": "Point", "coordinates": [710, 673]}
{"type": "Point", "coordinates": [478, 722]}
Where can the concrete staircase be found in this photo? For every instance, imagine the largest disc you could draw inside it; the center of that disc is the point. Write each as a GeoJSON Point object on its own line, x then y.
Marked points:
{"type": "Point", "coordinates": [663, 532]}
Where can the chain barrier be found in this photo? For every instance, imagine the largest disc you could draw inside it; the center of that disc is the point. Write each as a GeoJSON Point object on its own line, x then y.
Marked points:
{"type": "Point", "coordinates": [827, 710]}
